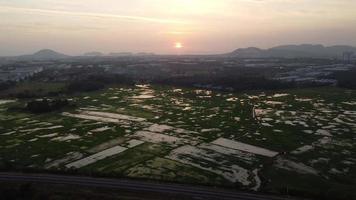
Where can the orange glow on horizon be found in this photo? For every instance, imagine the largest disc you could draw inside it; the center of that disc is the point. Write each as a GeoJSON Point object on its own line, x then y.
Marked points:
{"type": "Point", "coordinates": [178, 45]}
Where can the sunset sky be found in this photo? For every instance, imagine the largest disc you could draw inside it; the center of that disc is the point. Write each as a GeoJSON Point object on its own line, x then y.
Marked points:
{"type": "Point", "coordinates": [200, 26]}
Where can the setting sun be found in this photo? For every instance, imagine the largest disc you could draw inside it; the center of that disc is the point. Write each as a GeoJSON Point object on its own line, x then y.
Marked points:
{"type": "Point", "coordinates": [178, 45]}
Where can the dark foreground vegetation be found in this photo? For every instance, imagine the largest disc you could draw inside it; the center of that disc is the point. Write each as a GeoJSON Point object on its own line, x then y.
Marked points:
{"type": "Point", "coordinates": [56, 83]}
{"type": "Point", "coordinates": [40, 106]}
{"type": "Point", "coordinates": [32, 191]}
{"type": "Point", "coordinates": [59, 82]}
{"type": "Point", "coordinates": [4, 85]}
{"type": "Point", "coordinates": [45, 105]}
{"type": "Point", "coordinates": [346, 79]}
{"type": "Point", "coordinates": [228, 83]}
{"type": "Point", "coordinates": [37, 191]}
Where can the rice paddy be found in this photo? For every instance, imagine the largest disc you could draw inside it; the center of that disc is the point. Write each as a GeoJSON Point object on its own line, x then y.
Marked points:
{"type": "Point", "coordinates": [248, 140]}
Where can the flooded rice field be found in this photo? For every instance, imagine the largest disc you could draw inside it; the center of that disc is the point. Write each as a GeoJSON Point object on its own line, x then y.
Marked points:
{"type": "Point", "coordinates": [252, 141]}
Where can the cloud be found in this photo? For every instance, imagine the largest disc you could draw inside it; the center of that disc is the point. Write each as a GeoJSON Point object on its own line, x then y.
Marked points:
{"type": "Point", "coordinates": [87, 14]}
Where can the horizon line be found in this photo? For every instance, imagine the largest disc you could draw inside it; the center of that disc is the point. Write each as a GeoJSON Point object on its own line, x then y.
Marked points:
{"type": "Point", "coordinates": [187, 53]}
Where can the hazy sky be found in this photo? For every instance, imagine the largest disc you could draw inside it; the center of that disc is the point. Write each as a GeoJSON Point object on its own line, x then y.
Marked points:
{"type": "Point", "coordinates": [202, 26]}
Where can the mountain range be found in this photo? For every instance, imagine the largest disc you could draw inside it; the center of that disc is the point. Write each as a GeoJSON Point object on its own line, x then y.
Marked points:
{"type": "Point", "coordinates": [284, 51]}
{"type": "Point", "coordinates": [44, 54]}
{"type": "Point", "coordinates": [294, 51]}
{"type": "Point", "coordinates": [93, 54]}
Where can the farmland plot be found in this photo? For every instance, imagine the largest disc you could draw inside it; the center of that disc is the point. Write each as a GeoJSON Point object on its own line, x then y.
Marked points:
{"type": "Point", "coordinates": [192, 136]}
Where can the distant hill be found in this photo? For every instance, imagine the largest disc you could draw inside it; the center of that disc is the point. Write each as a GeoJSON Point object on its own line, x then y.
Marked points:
{"type": "Point", "coordinates": [44, 54]}
{"type": "Point", "coordinates": [123, 54]}
{"type": "Point", "coordinates": [118, 54]}
{"type": "Point", "coordinates": [294, 51]}
{"type": "Point", "coordinates": [94, 54]}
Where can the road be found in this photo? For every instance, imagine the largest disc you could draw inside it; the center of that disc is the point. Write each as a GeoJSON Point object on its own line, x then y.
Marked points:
{"type": "Point", "coordinates": [198, 192]}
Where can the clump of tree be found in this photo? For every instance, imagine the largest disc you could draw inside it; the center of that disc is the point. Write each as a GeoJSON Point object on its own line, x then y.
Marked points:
{"type": "Point", "coordinates": [346, 79]}
{"type": "Point", "coordinates": [45, 105]}
{"type": "Point", "coordinates": [97, 82]}
{"type": "Point", "coordinates": [236, 83]}
{"type": "Point", "coordinates": [4, 85]}
{"type": "Point", "coordinates": [84, 86]}
{"type": "Point", "coordinates": [253, 83]}
{"type": "Point", "coordinates": [26, 94]}
{"type": "Point", "coordinates": [82, 79]}
{"type": "Point", "coordinates": [28, 89]}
